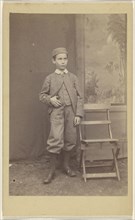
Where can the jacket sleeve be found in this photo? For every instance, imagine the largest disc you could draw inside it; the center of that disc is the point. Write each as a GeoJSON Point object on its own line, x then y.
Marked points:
{"type": "Point", "coordinates": [44, 95]}
{"type": "Point", "coordinates": [79, 109]}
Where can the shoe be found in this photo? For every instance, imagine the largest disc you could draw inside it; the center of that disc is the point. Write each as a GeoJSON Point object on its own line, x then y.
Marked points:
{"type": "Point", "coordinates": [51, 174]}
{"type": "Point", "coordinates": [66, 167]}
{"type": "Point", "coordinates": [69, 172]}
{"type": "Point", "coordinates": [49, 178]}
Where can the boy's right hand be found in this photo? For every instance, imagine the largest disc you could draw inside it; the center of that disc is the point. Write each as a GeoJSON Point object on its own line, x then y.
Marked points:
{"type": "Point", "coordinates": [55, 101]}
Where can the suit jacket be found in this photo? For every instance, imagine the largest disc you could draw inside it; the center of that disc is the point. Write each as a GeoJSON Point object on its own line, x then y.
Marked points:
{"type": "Point", "coordinates": [52, 85]}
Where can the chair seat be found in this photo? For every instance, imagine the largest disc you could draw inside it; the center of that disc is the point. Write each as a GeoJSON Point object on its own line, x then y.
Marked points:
{"type": "Point", "coordinates": [111, 140]}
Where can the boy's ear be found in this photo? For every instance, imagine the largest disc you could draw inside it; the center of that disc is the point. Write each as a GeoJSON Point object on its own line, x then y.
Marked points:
{"type": "Point", "coordinates": [53, 61]}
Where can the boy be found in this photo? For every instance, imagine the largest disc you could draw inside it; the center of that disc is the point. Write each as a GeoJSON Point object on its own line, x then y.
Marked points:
{"type": "Point", "coordinates": [62, 94]}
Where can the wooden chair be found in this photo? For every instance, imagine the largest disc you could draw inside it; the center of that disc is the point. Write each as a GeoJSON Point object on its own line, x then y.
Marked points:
{"type": "Point", "coordinates": [100, 109]}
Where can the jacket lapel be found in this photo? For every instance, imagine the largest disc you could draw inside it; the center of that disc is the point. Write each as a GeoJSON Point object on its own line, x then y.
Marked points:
{"type": "Point", "coordinates": [56, 85]}
{"type": "Point", "coordinates": [69, 87]}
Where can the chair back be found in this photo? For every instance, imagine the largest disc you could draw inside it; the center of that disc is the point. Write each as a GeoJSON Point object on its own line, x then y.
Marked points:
{"type": "Point", "coordinates": [101, 117]}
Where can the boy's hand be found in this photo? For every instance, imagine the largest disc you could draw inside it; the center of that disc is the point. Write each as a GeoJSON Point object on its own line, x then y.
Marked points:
{"type": "Point", "coordinates": [55, 101]}
{"type": "Point", "coordinates": [77, 120]}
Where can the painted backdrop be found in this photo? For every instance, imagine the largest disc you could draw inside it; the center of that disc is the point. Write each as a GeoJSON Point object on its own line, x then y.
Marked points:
{"type": "Point", "coordinates": [105, 58]}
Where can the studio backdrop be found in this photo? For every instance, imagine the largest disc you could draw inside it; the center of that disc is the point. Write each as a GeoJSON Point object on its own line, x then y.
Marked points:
{"type": "Point", "coordinates": [97, 55]}
{"type": "Point", "coordinates": [32, 39]}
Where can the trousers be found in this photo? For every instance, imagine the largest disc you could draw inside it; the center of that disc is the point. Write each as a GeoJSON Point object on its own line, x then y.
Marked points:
{"type": "Point", "coordinates": [63, 134]}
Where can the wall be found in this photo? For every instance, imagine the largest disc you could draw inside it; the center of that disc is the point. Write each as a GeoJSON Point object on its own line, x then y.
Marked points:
{"type": "Point", "coordinates": [32, 38]}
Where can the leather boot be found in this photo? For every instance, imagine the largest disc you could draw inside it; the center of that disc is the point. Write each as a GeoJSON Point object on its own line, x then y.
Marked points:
{"type": "Point", "coordinates": [53, 160]}
{"type": "Point", "coordinates": [66, 166]}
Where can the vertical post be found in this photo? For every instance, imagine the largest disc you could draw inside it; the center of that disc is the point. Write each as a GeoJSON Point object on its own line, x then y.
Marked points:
{"type": "Point", "coordinates": [79, 47]}
{"type": "Point", "coordinates": [109, 126]}
{"type": "Point", "coordinates": [80, 52]}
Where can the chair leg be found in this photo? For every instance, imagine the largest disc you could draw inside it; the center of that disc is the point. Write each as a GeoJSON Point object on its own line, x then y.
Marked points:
{"type": "Point", "coordinates": [116, 165]}
{"type": "Point", "coordinates": [116, 154]}
{"type": "Point", "coordinates": [81, 156]}
{"type": "Point", "coordinates": [83, 164]}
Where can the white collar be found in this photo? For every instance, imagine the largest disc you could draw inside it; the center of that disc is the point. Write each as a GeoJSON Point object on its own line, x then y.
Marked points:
{"type": "Point", "coordinates": [59, 72]}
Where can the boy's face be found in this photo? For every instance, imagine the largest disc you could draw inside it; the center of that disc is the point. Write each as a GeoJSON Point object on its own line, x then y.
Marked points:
{"type": "Point", "coordinates": [61, 61]}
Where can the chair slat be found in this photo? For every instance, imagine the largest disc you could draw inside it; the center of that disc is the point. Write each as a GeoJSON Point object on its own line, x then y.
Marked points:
{"type": "Point", "coordinates": [104, 122]}
{"type": "Point", "coordinates": [99, 140]}
{"type": "Point", "coordinates": [99, 175]}
{"type": "Point", "coordinates": [96, 106]}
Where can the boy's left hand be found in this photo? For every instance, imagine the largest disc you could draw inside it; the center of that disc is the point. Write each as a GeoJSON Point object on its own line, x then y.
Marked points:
{"type": "Point", "coordinates": [77, 120]}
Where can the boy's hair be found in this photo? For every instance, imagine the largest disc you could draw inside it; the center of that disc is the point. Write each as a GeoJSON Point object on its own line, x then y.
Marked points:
{"type": "Point", "coordinates": [58, 50]}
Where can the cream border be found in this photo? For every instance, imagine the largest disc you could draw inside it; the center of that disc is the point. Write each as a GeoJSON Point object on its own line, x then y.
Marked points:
{"type": "Point", "coordinates": [64, 206]}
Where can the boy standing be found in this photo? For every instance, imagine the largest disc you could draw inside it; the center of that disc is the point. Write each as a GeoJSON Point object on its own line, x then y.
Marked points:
{"type": "Point", "coordinates": [61, 92]}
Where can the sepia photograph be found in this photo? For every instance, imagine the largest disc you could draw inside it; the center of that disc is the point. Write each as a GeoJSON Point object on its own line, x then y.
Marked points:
{"type": "Point", "coordinates": [43, 142]}
{"type": "Point", "coordinates": [68, 105]}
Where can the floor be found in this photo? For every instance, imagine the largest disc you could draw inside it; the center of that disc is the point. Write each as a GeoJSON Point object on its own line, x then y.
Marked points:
{"type": "Point", "coordinates": [26, 178]}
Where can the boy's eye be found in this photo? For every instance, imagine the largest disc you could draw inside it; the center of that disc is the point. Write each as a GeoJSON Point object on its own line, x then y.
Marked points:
{"type": "Point", "coordinates": [62, 59]}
